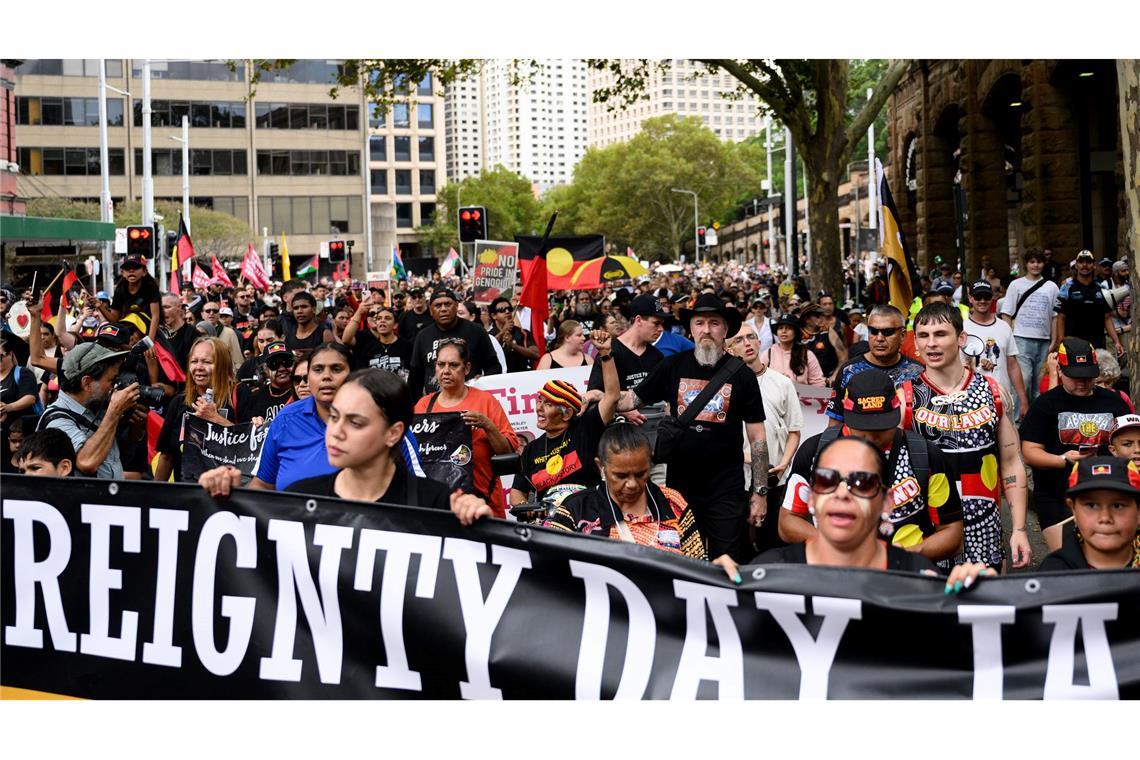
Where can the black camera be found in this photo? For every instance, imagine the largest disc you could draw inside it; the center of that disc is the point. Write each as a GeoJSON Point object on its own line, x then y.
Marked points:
{"type": "Point", "coordinates": [149, 395]}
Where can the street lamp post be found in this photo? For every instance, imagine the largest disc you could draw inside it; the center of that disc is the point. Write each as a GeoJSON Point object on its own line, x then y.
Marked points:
{"type": "Point", "coordinates": [771, 217]}
{"type": "Point", "coordinates": [106, 209]}
{"type": "Point", "coordinates": [185, 140]}
{"type": "Point", "coordinates": [148, 176]}
{"type": "Point", "coordinates": [696, 223]}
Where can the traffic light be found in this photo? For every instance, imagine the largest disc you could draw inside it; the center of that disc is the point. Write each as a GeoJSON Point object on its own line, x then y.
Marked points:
{"type": "Point", "coordinates": [336, 251]}
{"type": "Point", "coordinates": [141, 241]}
{"type": "Point", "coordinates": [275, 258]}
{"type": "Point", "coordinates": [701, 237]}
{"type": "Point", "coordinates": [472, 224]}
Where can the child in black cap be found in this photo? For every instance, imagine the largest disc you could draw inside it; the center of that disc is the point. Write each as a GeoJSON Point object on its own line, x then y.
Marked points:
{"type": "Point", "coordinates": [1104, 496]}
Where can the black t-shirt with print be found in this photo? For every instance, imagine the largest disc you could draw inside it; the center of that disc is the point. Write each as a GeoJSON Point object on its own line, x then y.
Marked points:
{"type": "Point", "coordinates": [262, 401]}
{"type": "Point", "coordinates": [710, 455]}
{"type": "Point", "coordinates": [484, 360]}
{"type": "Point", "coordinates": [370, 351]}
{"type": "Point", "coordinates": [125, 302]}
{"type": "Point", "coordinates": [1062, 422]}
{"type": "Point", "coordinates": [796, 554]}
{"type": "Point", "coordinates": [1084, 308]}
{"type": "Point", "coordinates": [431, 494]}
{"type": "Point", "coordinates": [567, 459]}
{"type": "Point", "coordinates": [631, 368]}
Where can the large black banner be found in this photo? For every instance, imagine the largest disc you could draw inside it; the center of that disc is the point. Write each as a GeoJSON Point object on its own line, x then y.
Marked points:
{"type": "Point", "coordinates": [139, 590]}
{"type": "Point", "coordinates": [444, 443]}
{"type": "Point", "coordinates": [206, 445]}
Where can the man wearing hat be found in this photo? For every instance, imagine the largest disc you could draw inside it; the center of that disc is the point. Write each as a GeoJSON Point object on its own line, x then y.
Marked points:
{"type": "Point", "coordinates": [926, 513]}
{"type": "Point", "coordinates": [1104, 272]}
{"type": "Point", "coordinates": [990, 348]}
{"type": "Point", "coordinates": [89, 408]}
{"type": "Point", "coordinates": [1030, 309]}
{"type": "Point", "coordinates": [446, 326]}
{"type": "Point", "coordinates": [1104, 499]}
{"type": "Point", "coordinates": [707, 466]}
{"type": "Point", "coordinates": [1064, 425]}
{"type": "Point", "coordinates": [416, 317]}
{"type": "Point", "coordinates": [262, 401]}
{"type": "Point", "coordinates": [1082, 311]}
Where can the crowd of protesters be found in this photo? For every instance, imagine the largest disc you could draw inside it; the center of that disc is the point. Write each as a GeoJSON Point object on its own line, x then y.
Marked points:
{"type": "Point", "coordinates": [1000, 393]}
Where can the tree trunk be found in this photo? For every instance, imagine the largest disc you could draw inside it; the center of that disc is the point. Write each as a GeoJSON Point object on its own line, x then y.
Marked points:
{"type": "Point", "coordinates": [1128, 92]}
{"type": "Point", "coordinates": [826, 258]}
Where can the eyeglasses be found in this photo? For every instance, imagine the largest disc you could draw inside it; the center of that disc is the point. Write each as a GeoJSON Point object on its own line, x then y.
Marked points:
{"type": "Point", "coordinates": [209, 311]}
{"type": "Point", "coordinates": [299, 378]}
{"type": "Point", "coordinates": [277, 364]}
{"type": "Point", "coordinates": [865, 484]}
{"type": "Point", "coordinates": [504, 310]}
{"type": "Point", "coordinates": [886, 332]}
{"type": "Point", "coordinates": [750, 337]}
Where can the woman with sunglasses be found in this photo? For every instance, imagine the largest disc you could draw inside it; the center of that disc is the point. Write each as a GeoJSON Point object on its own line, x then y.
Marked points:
{"type": "Point", "coordinates": [790, 357]}
{"type": "Point", "coordinates": [518, 345]}
{"type": "Point", "coordinates": [301, 378]}
{"type": "Point", "coordinates": [375, 342]}
{"type": "Point", "coordinates": [848, 500]}
{"type": "Point", "coordinates": [491, 431]}
{"type": "Point", "coordinates": [259, 403]}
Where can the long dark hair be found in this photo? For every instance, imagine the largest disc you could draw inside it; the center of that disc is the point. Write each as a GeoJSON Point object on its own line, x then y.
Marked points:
{"type": "Point", "coordinates": [798, 361]}
{"type": "Point", "coordinates": [388, 391]}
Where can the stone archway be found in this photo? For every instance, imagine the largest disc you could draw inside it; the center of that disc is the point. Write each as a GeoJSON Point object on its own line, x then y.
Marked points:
{"type": "Point", "coordinates": [996, 174]}
{"type": "Point", "coordinates": [941, 160]}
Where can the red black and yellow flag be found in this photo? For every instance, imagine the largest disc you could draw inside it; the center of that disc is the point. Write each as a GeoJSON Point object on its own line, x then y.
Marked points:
{"type": "Point", "coordinates": [57, 297]}
{"type": "Point", "coordinates": [565, 258]}
{"type": "Point", "coordinates": [902, 274]}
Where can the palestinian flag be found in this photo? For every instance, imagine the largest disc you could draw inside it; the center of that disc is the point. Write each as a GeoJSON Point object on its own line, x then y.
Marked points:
{"type": "Point", "coordinates": [309, 267]}
{"type": "Point", "coordinates": [57, 297]}
{"type": "Point", "coordinates": [565, 257]}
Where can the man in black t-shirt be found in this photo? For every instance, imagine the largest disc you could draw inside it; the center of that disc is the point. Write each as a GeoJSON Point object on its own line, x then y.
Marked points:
{"type": "Point", "coordinates": [416, 318]}
{"type": "Point", "coordinates": [1064, 425]}
{"type": "Point", "coordinates": [1082, 310]}
{"type": "Point", "coordinates": [635, 356]}
{"type": "Point", "coordinates": [136, 293]}
{"type": "Point", "coordinates": [262, 401]}
{"type": "Point", "coordinates": [518, 344]}
{"type": "Point", "coordinates": [376, 344]}
{"type": "Point", "coordinates": [707, 466]}
{"type": "Point", "coordinates": [447, 327]}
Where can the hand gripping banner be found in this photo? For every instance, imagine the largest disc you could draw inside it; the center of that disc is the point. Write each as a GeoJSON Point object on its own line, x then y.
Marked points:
{"type": "Point", "coordinates": [137, 590]}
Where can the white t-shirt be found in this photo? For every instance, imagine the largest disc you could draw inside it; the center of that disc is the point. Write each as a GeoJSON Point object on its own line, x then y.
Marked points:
{"type": "Point", "coordinates": [1035, 320]}
{"type": "Point", "coordinates": [997, 346]}
{"type": "Point", "coordinates": [763, 332]}
{"type": "Point", "coordinates": [783, 413]}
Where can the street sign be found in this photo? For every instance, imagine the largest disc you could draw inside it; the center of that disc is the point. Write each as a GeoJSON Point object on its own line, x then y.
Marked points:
{"type": "Point", "coordinates": [710, 237]}
{"type": "Point", "coordinates": [120, 240]}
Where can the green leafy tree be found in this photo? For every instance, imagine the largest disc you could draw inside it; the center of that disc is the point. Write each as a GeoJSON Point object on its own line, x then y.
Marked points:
{"type": "Point", "coordinates": [512, 208]}
{"type": "Point", "coordinates": [814, 99]}
{"type": "Point", "coordinates": [625, 190]}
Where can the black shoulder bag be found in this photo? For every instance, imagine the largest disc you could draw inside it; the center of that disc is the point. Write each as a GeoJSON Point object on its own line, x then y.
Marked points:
{"type": "Point", "coordinates": [1024, 296]}
{"type": "Point", "coordinates": [670, 429]}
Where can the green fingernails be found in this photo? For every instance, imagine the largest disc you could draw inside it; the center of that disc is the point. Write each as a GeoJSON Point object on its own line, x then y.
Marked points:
{"type": "Point", "coordinates": [957, 586]}
{"type": "Point", "coordinates": [947, 589]}
{"type": "Point", "coordinates": [737, 579]}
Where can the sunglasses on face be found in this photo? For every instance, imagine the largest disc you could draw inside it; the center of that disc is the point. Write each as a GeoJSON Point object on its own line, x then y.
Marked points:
{"type": "Point", "coordinates": [886, 332]}
{"type": "Point", "coordinates": [504, 310]}
{"type": "Point", "coordinates": [299, 378]}
{"type": "Point", "coordinates": [277, 364]}
{"type": "Point", "coordinates": [209, 311]}
{"type": "Point", "coordinates": [859, 483]}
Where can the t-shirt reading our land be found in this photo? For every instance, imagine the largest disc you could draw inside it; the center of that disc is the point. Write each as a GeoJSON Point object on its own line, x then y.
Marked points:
{"type": "Point", "coordinates": [710, 455]}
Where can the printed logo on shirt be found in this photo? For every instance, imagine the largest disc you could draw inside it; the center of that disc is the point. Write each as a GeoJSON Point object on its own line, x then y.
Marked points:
{"type": "Point", "coordinates": [717, 408]}
{"type": "Point", "coordinates": [1075, 428]}
{"type": "Point", "coordinates": [965, 421]}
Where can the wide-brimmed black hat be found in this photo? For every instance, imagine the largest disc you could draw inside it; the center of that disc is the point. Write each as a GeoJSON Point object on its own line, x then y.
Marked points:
{"type": "Point", "coordinates": [708, 303]}
{"type": "Point", "coordinates": [788, 320]}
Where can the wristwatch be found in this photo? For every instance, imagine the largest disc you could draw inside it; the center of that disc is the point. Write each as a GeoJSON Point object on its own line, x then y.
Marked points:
{"type": "Point", "coordinates": [605, 357]}
{"type": "Point", "coordinates": [761, 490]}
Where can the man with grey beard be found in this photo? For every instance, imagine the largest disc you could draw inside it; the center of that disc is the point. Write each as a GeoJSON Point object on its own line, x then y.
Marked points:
{"type": "Point", "coordinates": [707, 466]}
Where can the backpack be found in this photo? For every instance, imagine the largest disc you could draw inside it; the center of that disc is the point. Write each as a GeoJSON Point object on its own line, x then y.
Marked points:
{"type": "Point", "coordinates": [38, 407]}
{"type": "Point", "coordinates": [916, 445]}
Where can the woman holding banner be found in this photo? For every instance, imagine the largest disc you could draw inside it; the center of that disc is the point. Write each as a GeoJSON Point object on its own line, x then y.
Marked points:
{"type": "Point", "coordinates": [491, 431]}
{"type": "Point", "coordinates": [210, 394]}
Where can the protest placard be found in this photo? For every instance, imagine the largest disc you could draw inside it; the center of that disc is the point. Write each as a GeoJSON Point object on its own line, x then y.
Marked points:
{"type": "Point", "coordinates": [496, 268]}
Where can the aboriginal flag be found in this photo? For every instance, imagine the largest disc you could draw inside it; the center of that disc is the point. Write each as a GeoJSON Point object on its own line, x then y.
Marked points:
{"type": "Point", "coordinates": [565, 257]}
{"type": "Point", "coordinates": [902, 274]}
{"type": "Point", "coordinates": [56, 298]}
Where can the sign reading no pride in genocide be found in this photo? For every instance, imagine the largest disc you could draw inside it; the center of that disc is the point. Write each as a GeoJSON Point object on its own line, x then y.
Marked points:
{"type": "Point", "coordinates": [496, 268]}
{"type": "Point", "coordinates": [155, 591]}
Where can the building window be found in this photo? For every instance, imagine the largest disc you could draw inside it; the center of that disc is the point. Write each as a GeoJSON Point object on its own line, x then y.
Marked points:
{"type": "Point", "coordinates": [424, 116]}
{"type": "Point", "coordinates": [427, 213]}
{"type": "Point", "coordinates": [82, 67]}
{"type": "Point", "coordinates": [73, 162]}
{"type": "Point", "coordinates": [167, 162]}
{"type": "Point", "coordinates": [427, 148]}
{"type": "Point", "coordinates": [400, 115]}
{"type": "Point", "coordinates": [425, 85]}
{"type": "Point", "coordinates": [304, 163]}
{"type": "Point", "coordinates": [403, 148]}
{"type": "Point", "coordinates": [427, 181]}
{"type": "Point", "coordinates": [379, 181]}
{"type": "Point", "coordinates": [67, 112]}
{"type": "Point", "coordinates": [305, 72]}
{"type": "Point", "coordinates": [197, 70]}
{"type": "Point", "coordinates": [377, 118]}
{"type": "Point", "coordinates": [202, 114]}
{"type": "Point", "coordinates": [403, 182]}
{"type": "Point", "coordinates": [404, 215]}
{"type": "Point", "coordinates": [318, 215]}
{"type": "Point", "coordinates": [306, 116]}
{"type": "Point", "coordinates": [378, 148]}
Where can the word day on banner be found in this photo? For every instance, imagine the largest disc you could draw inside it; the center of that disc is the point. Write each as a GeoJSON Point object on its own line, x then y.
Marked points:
{"type": "Point", "coordinates": [105, 594]}
{"type": "Point", "coordinates": [206, 445]}
{"type": "Point", "coordinates": [496, 268]}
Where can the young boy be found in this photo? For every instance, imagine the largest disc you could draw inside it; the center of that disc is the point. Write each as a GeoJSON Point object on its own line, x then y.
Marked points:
{"type": "Point", "coordinates": [1124, 440]}
{"type": "Point", "coordinates": [47, 452]}
{"type": "Point", "coordinates": [1104, 496]}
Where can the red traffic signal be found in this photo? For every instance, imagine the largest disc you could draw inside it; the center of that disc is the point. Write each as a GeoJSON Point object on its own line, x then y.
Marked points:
{"type": "Point", "coordinates": [465, 215]}
{"type": "Point", "coordinates": [140, 241]}
{"type": "Point", "coordinates": [472, 224]}
{"type": "Point", "coordinates": [336, 251]}
{"type": "Point", "coordinates": [138, 233]}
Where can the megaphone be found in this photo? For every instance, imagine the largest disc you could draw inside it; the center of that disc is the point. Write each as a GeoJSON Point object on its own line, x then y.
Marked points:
{"type": "Point", "coordinates": [1114, 296]}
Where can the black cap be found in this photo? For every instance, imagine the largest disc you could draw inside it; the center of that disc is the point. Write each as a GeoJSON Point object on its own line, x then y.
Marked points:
{"type": "Point", "coordinates": [644, 306]}
{"type": "Point", "coordinates": [443, 293]}
{"type": "Point", "coordinates": [1077, 359]}
{"type": "Point", "coordinates": [133, 260]}
{"type": "Point", "coordinates": [944, 289]}
{"type": "Point", "coordinates": [276, 348]}
{"type": "Point", "coordinates": [870, 402]}
{"type": "Point", "coordinates": [115, 333]}
{"type": "Point", "coordinates": [1105, 262]}
{"type": "Point", "coordinates": [982, 287]}
{"type": "Point", "coordinates": [1111, 473]}
{"type": "Point", "coordinates": [786, 320]}
{"type": "Point", "coordinates": [416, 293]}
{"type": "Point", "coordinates": [707, 303]}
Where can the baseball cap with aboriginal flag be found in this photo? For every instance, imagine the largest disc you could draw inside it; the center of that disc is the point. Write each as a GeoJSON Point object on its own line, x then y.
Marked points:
{"type": "Point", "coordinates": [1077, 359]}
{"type": "Point", "coordinates": [1108, 473]}
{"type": "Point", "coordinates": [562, 393]}
{"type": "Point", "coordinates": [870, 401]}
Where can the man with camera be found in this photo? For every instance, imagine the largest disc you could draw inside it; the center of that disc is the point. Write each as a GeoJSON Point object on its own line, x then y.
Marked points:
{"type": "Point", "coordinates": [88, 409]}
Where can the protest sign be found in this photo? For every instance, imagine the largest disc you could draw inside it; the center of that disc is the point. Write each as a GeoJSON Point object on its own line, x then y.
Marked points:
{"type": "Point", "coordinates": [517, 392]}
{"type": "Point", "coordinates": [206, 445]}
{"type": "Point", "coordinates": [444, 443]}
{"type": "Point", "coordinates": [136, 590]}
{"type": "Point", "coordinates": [496, 268]}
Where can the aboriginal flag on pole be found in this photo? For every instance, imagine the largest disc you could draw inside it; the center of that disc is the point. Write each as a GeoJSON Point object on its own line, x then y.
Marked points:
{"type": "Point", "coordinates": [56, 296]}
{"type": "Point", "coordinates": [902, 274]}
{"type": "Point", "coordinates": [564, 256]}
{"type": "Point", "coordinates": [180, 254]}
